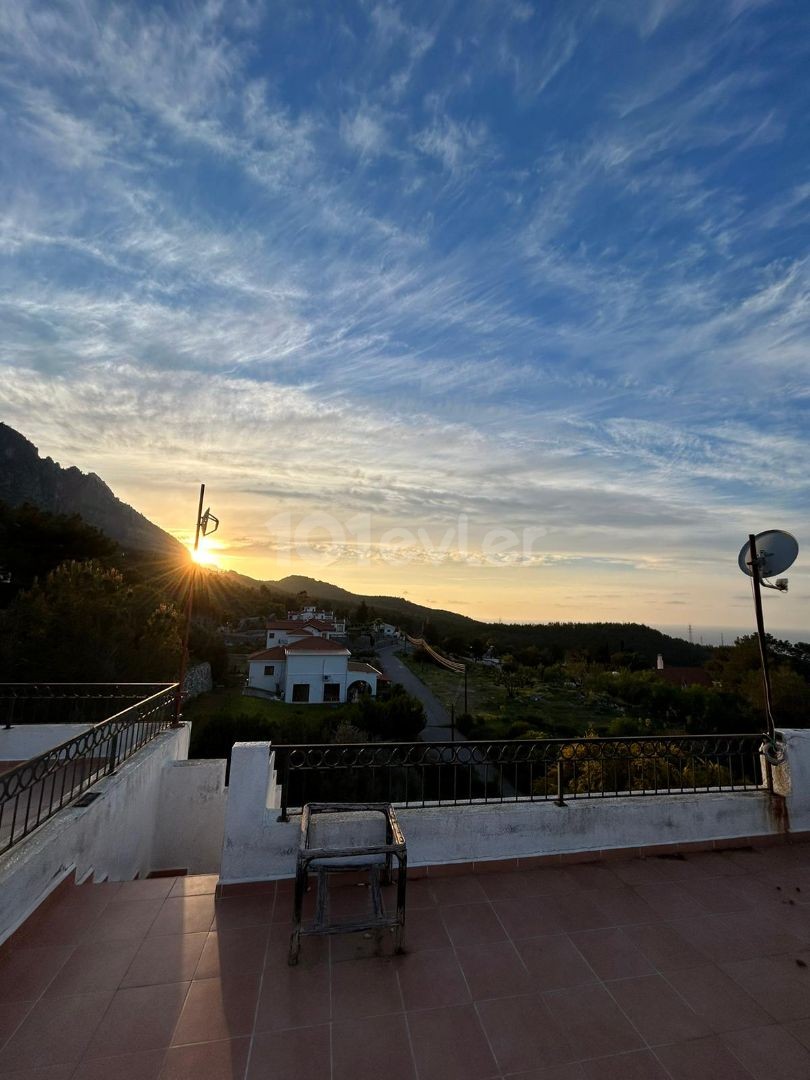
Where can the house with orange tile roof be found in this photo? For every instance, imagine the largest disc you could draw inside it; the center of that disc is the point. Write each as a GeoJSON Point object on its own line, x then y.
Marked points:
{"type": "Point", "coordinates": [310, 668]}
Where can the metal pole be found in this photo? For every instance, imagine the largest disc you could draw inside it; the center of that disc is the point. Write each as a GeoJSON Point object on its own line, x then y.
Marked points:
{"type": "Point", "coordinates": [466, 710]}
{"type": "Point", "coordinates": [178, 698]}
{"type": "Point", "coordinates": [452, 721]}
{"type": "Point", "coordinates": [763, 650]}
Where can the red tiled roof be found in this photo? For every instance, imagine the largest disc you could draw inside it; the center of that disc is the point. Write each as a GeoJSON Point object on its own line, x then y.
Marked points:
{"type": "Point", "coordinates": [276, 653]}
{"type": "Point", "coordinates": [316, 644]}
{"type": "Point", "coordinates": [285, 624]}
{"type": "Point", "coordinates": [685, 676]}
{"type": "Point", "coordinates": [319, 624]}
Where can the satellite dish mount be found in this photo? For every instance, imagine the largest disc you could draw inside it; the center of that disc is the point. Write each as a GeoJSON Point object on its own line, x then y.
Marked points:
{"type": "Point", "coordinates": [765, 555]}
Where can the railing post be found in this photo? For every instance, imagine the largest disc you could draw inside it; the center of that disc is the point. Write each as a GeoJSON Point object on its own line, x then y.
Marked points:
{"type": "Point", "coordinates": [113, 753]}
{"type": "Point", "coordinates": [283, 771]}
{"type": "Point", "coordinates": [560, 801]}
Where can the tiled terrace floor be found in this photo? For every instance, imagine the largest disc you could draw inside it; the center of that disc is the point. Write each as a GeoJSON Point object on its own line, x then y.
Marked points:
{"type": "Point", "coordinates": [629, 970]}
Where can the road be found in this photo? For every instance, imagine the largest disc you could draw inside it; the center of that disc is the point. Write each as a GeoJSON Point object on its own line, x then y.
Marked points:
{"type": "Point", "coordinates": [437, 728]}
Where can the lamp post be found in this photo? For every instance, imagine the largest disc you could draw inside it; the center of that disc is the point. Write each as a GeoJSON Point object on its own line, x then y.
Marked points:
{"type": "Point", "coordinates": [201, 528]}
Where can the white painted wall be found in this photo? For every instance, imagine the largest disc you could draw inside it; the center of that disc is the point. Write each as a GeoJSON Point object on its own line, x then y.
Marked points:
{"type": "Point", "coordinates": [142, 815]}
{"type": "Point", "coordinates": [25, 741]}
{"type": "Point", "coordinates": [258, 846]}
{"type": "Point", "coordinates": [191, 818]}
{"type": "Point", "coordinates": [260, 681]}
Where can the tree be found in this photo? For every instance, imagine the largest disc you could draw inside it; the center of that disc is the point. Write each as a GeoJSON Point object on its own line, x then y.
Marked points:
{"type": "Point", "coordinates": [510, 675]}
{"type": "Point", "coordinates": [83, 623]}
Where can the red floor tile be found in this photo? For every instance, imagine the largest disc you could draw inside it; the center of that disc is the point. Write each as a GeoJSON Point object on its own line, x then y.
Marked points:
{"type": "Point", "coordinates": [125, 920]}
{"type": "Point", "coordinates": [196, 885]}
{"type": "Point", "coordinates": [293, 997]}
{"type": "Point", "coordinates": [26, 973]}
{"type": "Point", "coordinates": [770, 1053]}
{"type": "Point", "coordinates": [432, 979]}
{"type": "Point", "coordinates": [776, 983]}
{"type": "Point", "coordinates": [472, 924]}
{"type": "Point", "coordinates": [145, 1065]}
{"type": "Point", "coordinates": [529, 917]}
{"type": "Point", "coordinates": [579, 911]}
{"type": "Point", "coordinates": [657, 1011]}
{"type": "Point", "coordinates": [291, 1055]}
{"type": "Point", "coordinates": [494, 970]}
{"type": "Point", "coordinates": [218, 1009]}
{"type": "Point", "coordinates": [670, 901]}
{"type": "Point", "coordinates": [425, 930]}
{"type": "Point", "coordinates": [716, 997]}
{"type": "Point", "coordinates": [233, 951]}
{"type": "Point", "coordinates": [12, 1014]}
{"type": "Point", "coordinates": [53, 1072]}
{"type": "Point", "coordinates": [146, 889]}
{"type": "Point", "coordinates": [373, 1048]}
{"type": "Point", "coordinates": [449, 1044]}
{"type": "Point", "coordinates": [234, 912]}
{"type": "Point", "coordinates": [701, 1058]}
{"type": "Point", "coordinates": [522, 1033]}
{"type": "Point", "coordinates": [611, 954]}
{"type": "Point", "coordinates": [592, 1021]}
{"type": "Point", "coordinates": [172, 958]}
{"type": "Point", "coordinates": [93, 967]}
{"type": "Point", "coordinates": [555, 963]}
{"type": "Point", "coordinates": [184, 915]}
{"type": "Point", "coordinates": [622, 905]}
{"type": "Point", "coordinates": [459, 890]}
{"type": "Point", "coordinates": [139, 1018]}
{"type": "Point", "coordinates": [365, 988]}
{"type": "Point", "coordinates": [664, 947]}
{"type": "Point", "coordinates": [637, 1065]}
{"type": "Point", "coordinates": [55, 1032]}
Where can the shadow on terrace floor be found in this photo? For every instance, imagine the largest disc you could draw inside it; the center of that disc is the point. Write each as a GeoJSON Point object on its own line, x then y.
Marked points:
{"type": "Point", "coordinates": [645, 969]}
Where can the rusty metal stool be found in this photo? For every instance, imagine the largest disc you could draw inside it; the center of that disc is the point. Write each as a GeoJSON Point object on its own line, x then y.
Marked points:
{"type": "Point", "coordinates": [335, 858]}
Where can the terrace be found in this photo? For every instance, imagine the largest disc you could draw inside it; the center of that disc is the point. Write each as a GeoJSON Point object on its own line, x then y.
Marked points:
{"type": "Point", "coordinates": [636, 910]}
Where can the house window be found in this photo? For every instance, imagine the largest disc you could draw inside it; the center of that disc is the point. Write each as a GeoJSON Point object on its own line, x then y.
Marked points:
{"type": "Point", "coordinates": [331, 691]}
{"type": "Point", "coordinates": [300, 691]}
{"type": "Point", "coordinates": [270, 634]}
{"type": "Point", "coordinates": [269, 669]}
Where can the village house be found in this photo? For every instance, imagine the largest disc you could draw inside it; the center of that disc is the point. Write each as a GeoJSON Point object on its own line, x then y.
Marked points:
{"type": "Point", "coordinates": [309, 667]}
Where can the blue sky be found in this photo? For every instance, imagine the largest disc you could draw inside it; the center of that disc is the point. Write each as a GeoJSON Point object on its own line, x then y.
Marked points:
{"type": "Point", "coordinates": [543, 265]}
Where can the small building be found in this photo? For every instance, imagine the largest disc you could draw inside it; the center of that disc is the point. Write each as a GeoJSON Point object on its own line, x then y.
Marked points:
{"type": "Point", "coordinates": [682, 676]}
{"type": "Point", "coordinates": [312, 614]}
{"type": "Point", "coordinates": [311, 669]}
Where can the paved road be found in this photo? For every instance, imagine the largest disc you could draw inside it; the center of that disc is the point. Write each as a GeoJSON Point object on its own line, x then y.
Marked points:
{"type": "Point", "coordinates": [437, 728]}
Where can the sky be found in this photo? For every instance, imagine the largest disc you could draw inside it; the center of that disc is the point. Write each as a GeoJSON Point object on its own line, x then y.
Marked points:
{"type": "Point", "coordinates": [502, 306]}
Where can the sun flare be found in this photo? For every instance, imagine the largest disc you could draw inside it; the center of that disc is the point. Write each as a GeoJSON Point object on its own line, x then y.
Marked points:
{"type": "Point", "coordinates": [205, 554]}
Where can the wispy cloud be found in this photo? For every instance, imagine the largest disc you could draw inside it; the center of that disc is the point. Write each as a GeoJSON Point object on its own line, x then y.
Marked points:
{"type": "Point", "coordinates": [492, 271]}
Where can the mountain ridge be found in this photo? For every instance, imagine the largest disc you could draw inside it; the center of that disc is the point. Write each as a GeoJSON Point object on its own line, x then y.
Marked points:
{"type": "Point", "coordinates": [26, 477]}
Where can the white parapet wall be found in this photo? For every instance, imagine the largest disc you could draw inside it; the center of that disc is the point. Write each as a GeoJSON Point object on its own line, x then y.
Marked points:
{"type": "Point", "coordinates": [157, 811]}
{"type": "Point", "coordinates": [258, 846]}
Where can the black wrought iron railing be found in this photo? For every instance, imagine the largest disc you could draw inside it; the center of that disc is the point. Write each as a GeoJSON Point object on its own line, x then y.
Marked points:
{"type": "Point", "coordinates": [431, 774]}
{"type": "Point", "coordinates": [35, 790]}
{"type": "Point", "coordinates": [68, 703]}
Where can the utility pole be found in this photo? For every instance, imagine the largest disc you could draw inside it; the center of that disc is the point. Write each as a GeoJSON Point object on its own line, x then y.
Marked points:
{"type": "Point", "coordinates": [763, 648]}
{"type": "Point", "coordinates": [200, 529]}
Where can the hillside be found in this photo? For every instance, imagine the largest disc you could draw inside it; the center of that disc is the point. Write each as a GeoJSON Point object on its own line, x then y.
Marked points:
{"type": "Point", "coordinates": [456, 632]}
{"type": "Point", "coordinates": [25, 477]}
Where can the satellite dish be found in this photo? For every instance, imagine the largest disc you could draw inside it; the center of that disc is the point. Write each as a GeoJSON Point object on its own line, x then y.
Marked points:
{"type": "Point", "coordinates": [776, 551]}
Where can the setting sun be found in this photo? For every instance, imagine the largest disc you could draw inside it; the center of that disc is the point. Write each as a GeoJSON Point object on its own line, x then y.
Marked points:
{"type": "Point", "coordinates": [205, 554]}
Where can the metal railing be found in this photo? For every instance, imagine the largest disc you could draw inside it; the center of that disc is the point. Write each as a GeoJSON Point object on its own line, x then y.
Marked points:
{"type": "Point", "coordinates": [68, 703]}
{"type": "Point", "coordinates": [436, 774]}
{"type": "Point", "coordinates": [37, 789]}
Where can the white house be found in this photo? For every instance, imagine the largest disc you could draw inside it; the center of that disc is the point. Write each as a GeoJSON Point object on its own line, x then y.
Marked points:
{"type": "Point", "coordinates": [311, 669]}
{"type": "Point", "coordinates": [311, 614]}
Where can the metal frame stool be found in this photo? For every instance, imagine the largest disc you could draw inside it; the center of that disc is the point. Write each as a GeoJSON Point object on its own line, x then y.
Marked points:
{"type": "Point", "coordinates": [370, 858]}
